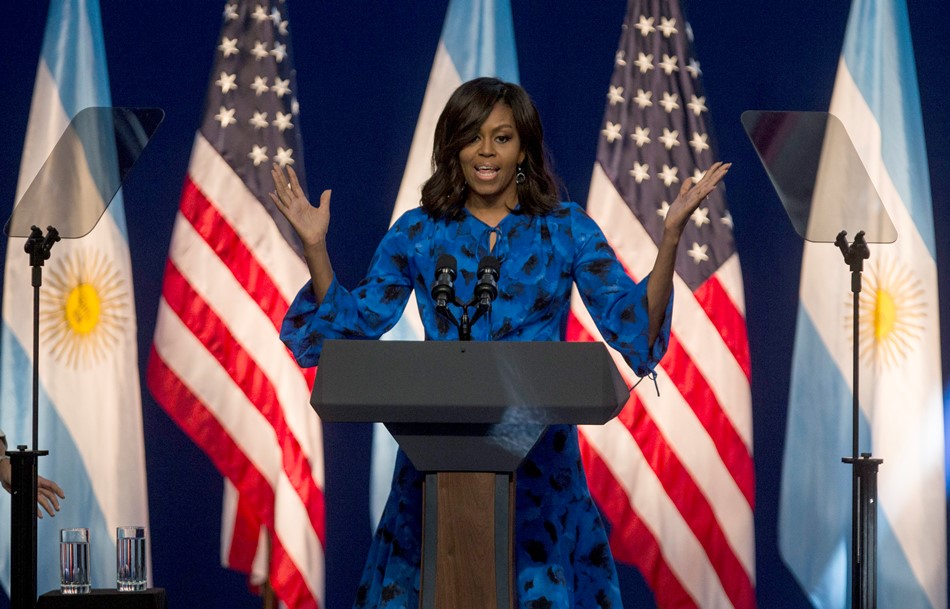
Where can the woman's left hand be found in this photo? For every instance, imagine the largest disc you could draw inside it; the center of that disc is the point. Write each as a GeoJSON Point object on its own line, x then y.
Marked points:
{"type": "Point", "coordinates": [691, 195]}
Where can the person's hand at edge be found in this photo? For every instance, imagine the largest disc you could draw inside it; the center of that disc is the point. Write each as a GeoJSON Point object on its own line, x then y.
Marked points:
{"type": "Point", "coordinates": [48, 493]}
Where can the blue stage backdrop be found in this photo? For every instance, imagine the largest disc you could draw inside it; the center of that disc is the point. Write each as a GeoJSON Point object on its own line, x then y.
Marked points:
{"type": "Point", "coordinates": [362, 69]}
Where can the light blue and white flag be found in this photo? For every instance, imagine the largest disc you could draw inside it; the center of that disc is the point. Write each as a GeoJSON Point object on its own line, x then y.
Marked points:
{"type": "Point", "coordinates": [478, 39]}
{"type": "Point", "coordinates": [901, 421]}
{"type": "Point", "coordinates": [90, 416]}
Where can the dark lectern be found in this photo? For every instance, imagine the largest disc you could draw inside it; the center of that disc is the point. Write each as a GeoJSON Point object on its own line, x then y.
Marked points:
{"type": "Point", "coordinates": [466, 414]}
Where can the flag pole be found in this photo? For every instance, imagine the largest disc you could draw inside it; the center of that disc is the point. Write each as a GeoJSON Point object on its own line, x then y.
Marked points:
{"type": "Point", "coordinates": [268, 596]}
{"type": "Point", "coordinates": [863, 467]}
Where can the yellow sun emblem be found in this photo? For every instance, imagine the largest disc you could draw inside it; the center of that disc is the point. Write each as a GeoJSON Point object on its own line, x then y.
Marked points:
{"type": "Point", "coordinates": [83, 308]}
{"type": "Point", "coordinates": [892, 312]}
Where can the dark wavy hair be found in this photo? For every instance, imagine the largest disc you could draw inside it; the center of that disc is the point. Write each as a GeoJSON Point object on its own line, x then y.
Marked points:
{"type": "Point", "coordinates": [444, 194]}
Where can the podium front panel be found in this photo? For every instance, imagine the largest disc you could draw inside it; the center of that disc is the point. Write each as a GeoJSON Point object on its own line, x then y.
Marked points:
{"type": "Point", "coordinates": [467, 382]}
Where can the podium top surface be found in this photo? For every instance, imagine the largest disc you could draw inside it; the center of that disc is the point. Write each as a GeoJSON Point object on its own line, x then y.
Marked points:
{"type": "Point", "coordinates": [467, 382]}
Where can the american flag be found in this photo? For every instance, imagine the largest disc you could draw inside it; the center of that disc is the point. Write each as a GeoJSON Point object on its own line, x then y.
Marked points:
{"type": "Point", "coordinates": [673, 475]}
{"type": "Point", "coordinates": [217, 365]}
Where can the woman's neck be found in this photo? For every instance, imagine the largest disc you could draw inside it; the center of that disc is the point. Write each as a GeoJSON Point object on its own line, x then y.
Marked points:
{"type": "Point", "coordinates": [491, 212]}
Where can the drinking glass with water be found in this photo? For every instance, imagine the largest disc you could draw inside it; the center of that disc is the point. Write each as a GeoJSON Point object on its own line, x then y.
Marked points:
{"type": "Point", "coordinates": [130, 573]}
{"type": "Point", "coordinates": [74, 561]}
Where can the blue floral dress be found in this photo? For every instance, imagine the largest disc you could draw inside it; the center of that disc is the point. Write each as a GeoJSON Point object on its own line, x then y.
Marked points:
{"type": "Point", "coordinates": [562, 559]}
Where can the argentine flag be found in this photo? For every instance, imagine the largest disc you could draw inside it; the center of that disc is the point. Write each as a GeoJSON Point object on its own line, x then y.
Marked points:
{"type": "Point", "coordinates": [901, 421]}
{"type": "Point", "coordinates": [90, 416]}
{"type": "Point", "coordinates": [478, 39]}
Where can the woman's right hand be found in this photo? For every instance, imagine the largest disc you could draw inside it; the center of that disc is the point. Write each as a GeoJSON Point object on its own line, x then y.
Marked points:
{"type": "Point", "coordinates": [311, 223]}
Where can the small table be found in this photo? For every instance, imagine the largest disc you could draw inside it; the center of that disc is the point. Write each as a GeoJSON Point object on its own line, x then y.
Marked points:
{"type": "Point", "coordinates": [153, 598]}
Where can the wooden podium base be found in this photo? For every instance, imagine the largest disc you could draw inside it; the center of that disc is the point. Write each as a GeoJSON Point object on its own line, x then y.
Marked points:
{"type": "Point", "coordinates": [467, 554]}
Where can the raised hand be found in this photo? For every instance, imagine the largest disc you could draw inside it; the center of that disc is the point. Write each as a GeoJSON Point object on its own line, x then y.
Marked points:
{"type": "Point", "coordinates": [691, 195]}
{"type": "Point", "coordinates": [311, 223]}
{"type": "Point", "coordinates": [660, 284]}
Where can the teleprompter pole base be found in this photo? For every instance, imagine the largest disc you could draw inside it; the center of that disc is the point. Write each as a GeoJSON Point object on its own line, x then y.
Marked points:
{"type": "Point", "coordinates": [864, 531]}
{"type": "Point", "coordinates": [23, 527]}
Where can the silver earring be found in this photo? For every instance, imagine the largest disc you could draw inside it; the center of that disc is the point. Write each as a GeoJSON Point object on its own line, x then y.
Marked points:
{"type": "Point", "coordinates": [520, 177]}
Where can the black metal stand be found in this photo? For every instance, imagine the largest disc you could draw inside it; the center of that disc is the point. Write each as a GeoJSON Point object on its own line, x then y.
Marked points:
{"type": "Point", "coordinates": [864, 531]}
{"type": "Point", "coordinates": [863, 468]}
{"type": "Point", "coordinates": [24, 462]}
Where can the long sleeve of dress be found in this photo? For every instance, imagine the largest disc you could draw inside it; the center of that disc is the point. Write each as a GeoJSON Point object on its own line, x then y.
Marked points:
{"type": "Point", "coordinates": [617, 304]}
{"type": "Point", "coordinates": [366, 312]}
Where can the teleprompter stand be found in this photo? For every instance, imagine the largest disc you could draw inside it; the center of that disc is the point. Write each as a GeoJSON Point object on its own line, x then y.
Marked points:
{"type": "Point", "coordinates": [70, 191]}
{"type": "Point", "coordinates": [863, 468]}
{"type": "Point", "coordinates": [466, 414]}
{"type": "Point", "coordinates": [826, 192]}
{"type": "Point", "coordinates": [23, 462]}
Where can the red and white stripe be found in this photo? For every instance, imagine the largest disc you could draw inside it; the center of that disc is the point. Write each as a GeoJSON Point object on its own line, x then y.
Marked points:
{"type": "Point", "coordinates": [220, 371]}
{"type": "Point", "coordinates": [674, 474]}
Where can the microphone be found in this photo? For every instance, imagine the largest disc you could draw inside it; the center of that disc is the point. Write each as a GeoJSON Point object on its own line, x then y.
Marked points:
{"type": "Point", "coordinates": [487, 287]}
{"type": "Point", "coordinates": [443, 290]}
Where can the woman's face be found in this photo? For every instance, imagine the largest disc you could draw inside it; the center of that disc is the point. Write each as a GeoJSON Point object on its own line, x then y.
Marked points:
{"type": "Point", "coordinates": [490, 161]}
